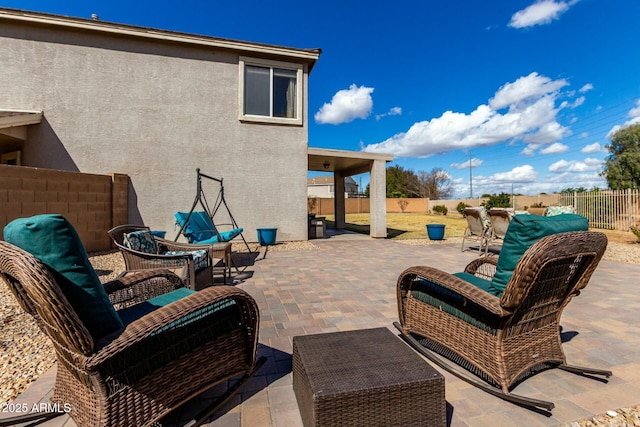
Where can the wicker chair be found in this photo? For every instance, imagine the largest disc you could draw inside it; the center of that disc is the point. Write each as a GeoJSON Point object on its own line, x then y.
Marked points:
{"type": "Point", "coordinates": [478, 229]}
{"type": "Point", "coordinates": [136, 375]}
{"type": "Point", "coordinates": [501, 339]}
{"type": "Point", "coordinates": [183, 264]}
{"type": "Point", "coordinates": [500, 220]}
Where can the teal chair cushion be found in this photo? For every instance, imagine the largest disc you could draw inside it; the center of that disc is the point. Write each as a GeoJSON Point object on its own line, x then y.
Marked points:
{"type": "Point", "coordinates": [225, 309]}
{"type": "Point", "coordinates": [134, 312]}
{"type": "Point", "coordinates": [479, 282]}
{"type": "Point", "coordinates": [225, 236]}
{"type": "Point", "coordinates": [523, 232]}
{"type": "Point", "coordinates": [201, 230]}
{"type": "Point", "coordinates": [53, 240]}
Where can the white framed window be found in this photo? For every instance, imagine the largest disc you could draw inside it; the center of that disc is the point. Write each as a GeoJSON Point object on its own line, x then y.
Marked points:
{"type": "Point", "coordinates": [270, 91]}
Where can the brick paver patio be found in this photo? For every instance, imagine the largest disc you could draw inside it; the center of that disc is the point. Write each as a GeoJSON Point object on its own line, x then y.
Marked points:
{"type": "Point", "coordinates": [349, 284]}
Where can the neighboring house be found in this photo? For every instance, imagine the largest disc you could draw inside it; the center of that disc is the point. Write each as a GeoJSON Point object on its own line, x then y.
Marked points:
{"type": "Point", "coordinates": [107, 98]}
{"type": "Point", "coordinates": [323, 186]}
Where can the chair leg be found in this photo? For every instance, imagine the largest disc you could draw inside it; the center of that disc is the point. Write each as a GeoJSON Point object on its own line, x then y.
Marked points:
{"type": "Point", "coordinates": [463, 375]}
{"type": "Point", "coordinates": [203, 416]}
{"type": "Point", "coordinates": [33, 418]}
{"type": "Point", "coordinates": [582, 370]}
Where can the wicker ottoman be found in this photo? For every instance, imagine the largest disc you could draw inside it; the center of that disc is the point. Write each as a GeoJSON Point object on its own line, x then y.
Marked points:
{"type": "Point", "coordinates": [365, 378]}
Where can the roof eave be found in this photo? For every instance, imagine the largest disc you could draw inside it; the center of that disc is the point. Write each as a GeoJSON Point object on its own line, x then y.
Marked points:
{"type": "Point", "coordinates": [309, 56]}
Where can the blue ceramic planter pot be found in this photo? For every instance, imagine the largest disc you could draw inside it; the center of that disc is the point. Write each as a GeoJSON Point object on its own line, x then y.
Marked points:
{"type": "Point", "coordinates": [435, 231]}
{"type": "Point", "coordinates": [267, 236]}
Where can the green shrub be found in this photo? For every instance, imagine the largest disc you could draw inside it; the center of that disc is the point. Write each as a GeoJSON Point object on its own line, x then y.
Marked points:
{"type": "Point", "coordinates": [636, 232]}
{"type": "Point", "coordinates": [461, 207]}
{"type": "Point", "coordinates": [440, 209]}
{"type": "Point", "coordinates": [502, 200]}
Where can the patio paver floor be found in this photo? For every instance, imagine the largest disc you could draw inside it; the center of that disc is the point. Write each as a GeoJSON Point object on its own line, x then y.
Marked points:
{"type": "Point", "coordinates": [349, 284]}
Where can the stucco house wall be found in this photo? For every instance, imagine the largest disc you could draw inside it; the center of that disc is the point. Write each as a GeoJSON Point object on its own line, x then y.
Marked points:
{"type": "Point", "coordinates": [155, 110]}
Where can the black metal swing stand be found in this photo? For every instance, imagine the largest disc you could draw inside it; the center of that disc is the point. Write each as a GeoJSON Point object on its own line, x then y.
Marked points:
{"type": "Point", "coordinates": [527, 402]}
{"type": "Point", "coordinates": [202, 201]}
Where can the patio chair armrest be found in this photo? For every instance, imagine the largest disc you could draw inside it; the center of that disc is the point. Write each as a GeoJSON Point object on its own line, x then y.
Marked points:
{"type": "Point", "coordinates": [137, 286]}
{"type": "Point", "coordinates": [484, 267]}
{"type": "Point", "coordinates": [170, 245]}
{"type": "Point", "coordinates": [135, 260]}
{"type": "Point", "coordinates": [449, 283]}
{"type": "Point", "coordinates": [165, 328]}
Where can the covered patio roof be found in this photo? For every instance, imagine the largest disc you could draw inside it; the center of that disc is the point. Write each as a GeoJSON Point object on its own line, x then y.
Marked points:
{"type": "Point", "coordinates": [13, 127]}
{"type": "Point", "coordinates": [13, 118]}
{"type": "Point", "coordinates": [347, 163]}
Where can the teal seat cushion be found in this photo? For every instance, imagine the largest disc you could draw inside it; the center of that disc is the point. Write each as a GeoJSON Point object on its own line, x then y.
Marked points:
{"type": "Point", "coordinates": [199, 227]}
{"type": "Point", "coordinates": [53, 240]}
{"type": "Point", "coordinates": [523, 232]}
{"type": "Point", "coordinates": [134, 312]}
{"type": "Point", "coordinates": [201, 230]}
{"type": "Point", "coordinates": [479, 282]}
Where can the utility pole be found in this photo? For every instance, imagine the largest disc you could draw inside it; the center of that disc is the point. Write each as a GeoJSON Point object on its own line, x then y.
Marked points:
{"type": "Point", "coordinates": [470, 178]}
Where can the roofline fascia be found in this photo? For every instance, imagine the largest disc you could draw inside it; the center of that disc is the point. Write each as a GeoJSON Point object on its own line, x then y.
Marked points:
{"type": "Point", "coordinates": [27, 118]}
{"type": "Point", "coordinates": [314, 151]}
{"type": "Point", "coordinates": [310, 55]}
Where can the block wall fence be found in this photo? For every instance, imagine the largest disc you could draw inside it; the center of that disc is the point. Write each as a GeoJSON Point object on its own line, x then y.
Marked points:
{"type": "Point", "coordinates": [92, 203]}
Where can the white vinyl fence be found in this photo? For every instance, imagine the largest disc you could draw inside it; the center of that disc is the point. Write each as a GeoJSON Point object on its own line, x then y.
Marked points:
{"type": "Point", "coordinates": [606, 209]}
{"type": "Point", "coordinates": [613, 210]}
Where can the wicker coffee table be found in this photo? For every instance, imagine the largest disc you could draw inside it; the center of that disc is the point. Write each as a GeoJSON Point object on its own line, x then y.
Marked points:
{"type": "Point", "coordinates": [365, 378]}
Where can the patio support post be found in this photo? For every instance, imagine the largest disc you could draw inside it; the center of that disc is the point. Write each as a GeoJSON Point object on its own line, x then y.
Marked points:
{"type": "Point", "coordinates": [378, 199]}
{"type": "Point", "coordinates": [338, 199]}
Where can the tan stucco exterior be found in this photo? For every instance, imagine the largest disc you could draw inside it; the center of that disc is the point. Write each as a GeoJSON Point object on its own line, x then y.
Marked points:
{"type": "Point", "coordinates": [155, 105]}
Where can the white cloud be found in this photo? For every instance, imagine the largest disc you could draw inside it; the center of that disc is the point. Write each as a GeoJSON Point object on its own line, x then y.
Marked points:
{"type": "Point", "coordinates": [575, 166]}
{"type": "Point", "coordinates": [555, 148]}
{"type": "Point", "coordinates": [634, 115]}
{"type": "Point", "coordinates": [547, 133]}
{"type": "Point", "coordinates": [539, 13]}
{"type": "Point", "coordinates": [586, 88]}
{"type": "Point", "coordinates": [584, 135]}
{"type": "Point", "coordinates": [531, 86]}
{"type": "Point", "coordinates": [524, 173]}
{"type": "Point", "coordinates": [530, 115]}
{"type": "Point", "coordinates": [395, 111]}
{"type": "Point", "coordinates": [475, 162]}
{"type": "Point", "coordinates": [346, 106]}
{"type": "Point", "coordinates": [592, 148]}
{"type": "Point", "coordinates": [578, 102]}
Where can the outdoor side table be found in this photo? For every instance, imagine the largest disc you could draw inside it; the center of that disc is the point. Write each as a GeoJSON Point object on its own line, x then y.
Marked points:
{"type": "Point", "coordinates": [222, 251]}
{"type": "Point", "coordinates": [365, 378]}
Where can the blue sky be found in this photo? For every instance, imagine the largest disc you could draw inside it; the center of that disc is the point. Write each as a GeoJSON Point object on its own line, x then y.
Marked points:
{"type": "Point", "coordinates": [527, 91]}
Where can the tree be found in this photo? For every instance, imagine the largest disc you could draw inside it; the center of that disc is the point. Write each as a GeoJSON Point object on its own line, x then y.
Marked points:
{"type": "Point", "coordinates": [435, 185]}
{"type": "Point", "coordinates": [401, 182]}
{"type": "Point", "coordinates": [622, 166]}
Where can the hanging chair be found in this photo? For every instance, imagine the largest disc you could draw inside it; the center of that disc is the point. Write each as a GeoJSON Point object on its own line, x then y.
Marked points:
{"type": "Point", "coordinates": [199, 226]}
